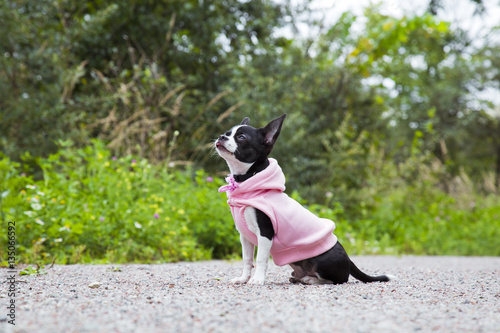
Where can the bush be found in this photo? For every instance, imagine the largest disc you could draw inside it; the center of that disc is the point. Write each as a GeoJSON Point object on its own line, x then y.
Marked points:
{"type": "Point", "coordinates": [91, 206]}
{"type": "Point", "coordinates": [425, 221]}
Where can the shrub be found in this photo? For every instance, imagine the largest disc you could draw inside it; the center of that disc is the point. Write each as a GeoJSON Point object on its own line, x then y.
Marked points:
{"type": "Point", "coordinates": [91, 206]}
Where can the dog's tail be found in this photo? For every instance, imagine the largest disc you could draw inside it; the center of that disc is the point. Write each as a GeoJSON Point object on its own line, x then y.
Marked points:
{"type": "Point", "coordinates": [358, 274]}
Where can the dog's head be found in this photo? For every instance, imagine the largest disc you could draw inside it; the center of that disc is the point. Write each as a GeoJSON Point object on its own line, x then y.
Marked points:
{"type": "Point", "coordinates": [243, 145]}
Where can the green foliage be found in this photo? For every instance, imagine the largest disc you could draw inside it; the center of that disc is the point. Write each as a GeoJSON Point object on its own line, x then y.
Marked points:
{"type": "Point", "coordinates": [32, 271]}
{"type": "Point", "coordinates": [433, 75]}
{"type": "Point", "coordinates": [91, 206]}
{"type": "Point", "coordinates": [386, 119]}
{"type": "Point", "coordinates": [418, 221]}
{"type": "Point", "coordinates": [130, 72]}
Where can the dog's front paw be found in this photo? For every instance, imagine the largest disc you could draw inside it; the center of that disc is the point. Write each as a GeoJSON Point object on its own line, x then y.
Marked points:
{"type": "Point", "coordinates": [240, 280]}
{"type": "Point", "coordinates": [257, 280]}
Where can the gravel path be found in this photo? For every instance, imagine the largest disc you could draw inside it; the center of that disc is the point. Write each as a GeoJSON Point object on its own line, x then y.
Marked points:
{"type": "Point", "coordinates": [438, 294]}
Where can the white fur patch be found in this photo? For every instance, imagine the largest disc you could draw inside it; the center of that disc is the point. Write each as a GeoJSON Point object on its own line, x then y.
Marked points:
{"type": "Point", "coordinates": [391, 277]}
{"type": "Point", "coordinates": [247, 253]}
{"type": "Point", "coordinates": [236, 167]}
{"type": "Point", "coordinates": [251, 219]}
{"type": "Point", "coordinates": [231, 144]}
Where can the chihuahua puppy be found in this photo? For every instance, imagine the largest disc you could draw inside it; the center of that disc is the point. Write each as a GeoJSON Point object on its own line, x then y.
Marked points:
{"type": "Point", "coordinates": [268, 218]}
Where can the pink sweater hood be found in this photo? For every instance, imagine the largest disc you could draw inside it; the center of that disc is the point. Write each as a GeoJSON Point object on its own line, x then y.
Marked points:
{"type": "Point", "coordinates": [299, 234]}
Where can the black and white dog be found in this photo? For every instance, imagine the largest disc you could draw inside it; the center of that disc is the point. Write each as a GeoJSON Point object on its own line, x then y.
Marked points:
{"type": "Point", "coordinates": [275, 223]}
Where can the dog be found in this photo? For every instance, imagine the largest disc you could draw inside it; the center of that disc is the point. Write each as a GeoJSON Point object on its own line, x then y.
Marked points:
{"type": "Point", "coordinates": [278, 225]}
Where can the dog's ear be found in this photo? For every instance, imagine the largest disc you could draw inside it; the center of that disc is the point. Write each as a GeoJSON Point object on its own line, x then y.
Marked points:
{"type": "Point", "coordinates": [245, 121]}
{"type": "Point", "coordinates": [272, 131]}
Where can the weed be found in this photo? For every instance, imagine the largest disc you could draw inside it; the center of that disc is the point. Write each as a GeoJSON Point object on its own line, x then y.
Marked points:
{"type": "Point", "coordinates": [32, 271]}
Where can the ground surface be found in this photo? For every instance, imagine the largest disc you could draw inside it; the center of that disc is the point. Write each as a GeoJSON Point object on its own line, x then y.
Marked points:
{"type": "Point", "coordinates": [432, 294]}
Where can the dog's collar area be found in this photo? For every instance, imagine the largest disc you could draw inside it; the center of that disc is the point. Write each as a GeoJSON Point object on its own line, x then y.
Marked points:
{"type": "Point", "coordinates": [242, 178]}
{"type": "Point", "coordinates": [254, 169]}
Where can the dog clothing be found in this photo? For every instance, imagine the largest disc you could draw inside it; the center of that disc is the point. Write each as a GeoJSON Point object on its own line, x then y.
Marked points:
{"type": "Point", "coordinates": [298, 233]}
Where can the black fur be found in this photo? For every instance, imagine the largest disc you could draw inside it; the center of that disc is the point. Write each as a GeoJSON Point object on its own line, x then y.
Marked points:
{"type": "Point", "coordinates": [333, 265]}
{"type": "Point", "coordinates": [265, 224]}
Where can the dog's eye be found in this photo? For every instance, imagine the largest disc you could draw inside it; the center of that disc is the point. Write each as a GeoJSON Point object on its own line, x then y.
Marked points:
{"type": "Point", "coordinates": [242, 137]}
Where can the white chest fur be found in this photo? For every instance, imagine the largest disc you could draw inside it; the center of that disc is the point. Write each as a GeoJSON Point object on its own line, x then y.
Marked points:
{"type": "Point", "coordinates": [251, 220]}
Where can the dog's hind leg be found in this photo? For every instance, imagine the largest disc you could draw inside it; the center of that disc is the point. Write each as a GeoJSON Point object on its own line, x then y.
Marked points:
{"type": "Point", "coordinates": [330, 267]}
{"type": "Point", "coordinates": [305, 273]}
{"type": "Point", "coordinates": [297, 274]}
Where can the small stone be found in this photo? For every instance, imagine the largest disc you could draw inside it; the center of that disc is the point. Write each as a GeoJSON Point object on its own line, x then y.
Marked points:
{"type": "Point", "coordinates": [94, 285]}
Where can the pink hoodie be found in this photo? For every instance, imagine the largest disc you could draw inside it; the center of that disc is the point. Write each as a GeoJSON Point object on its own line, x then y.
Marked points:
{"type": "Point", "coordinates": [299, 234]}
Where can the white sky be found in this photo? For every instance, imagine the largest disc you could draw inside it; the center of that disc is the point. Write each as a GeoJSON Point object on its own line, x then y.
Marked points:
{"type": "Point", "coordinates": [457, 12]}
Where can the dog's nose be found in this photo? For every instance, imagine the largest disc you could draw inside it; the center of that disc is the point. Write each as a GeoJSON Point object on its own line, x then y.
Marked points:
{"type": "Point", "coordinates": [223, 138]}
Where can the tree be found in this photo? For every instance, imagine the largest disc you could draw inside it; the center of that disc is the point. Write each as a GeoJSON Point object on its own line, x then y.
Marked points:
{"type": "Point", "coordinates": [436, 5]}
{"type": "Point", "coordinates": [71, 65]}
{"type": "Point", "coordinates": [432, 74]}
